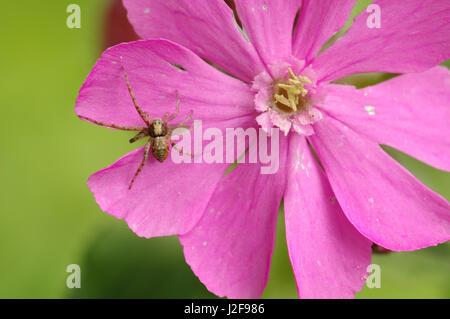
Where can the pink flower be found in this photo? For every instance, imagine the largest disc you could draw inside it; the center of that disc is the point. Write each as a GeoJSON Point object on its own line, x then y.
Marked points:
{"type": "Point", "coordinates": [277, 78]}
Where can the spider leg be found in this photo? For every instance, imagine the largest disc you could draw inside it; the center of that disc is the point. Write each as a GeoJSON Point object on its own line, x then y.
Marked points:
{"type": "Point", "coordinates": [177, 149]}
{"type": "Point", "coordinates": [173, 128]}
{"type": "Point", "coordinates": [144, 160]}
{"type": "Point", "coordinates": [169, 118]}
{"type": "Point", "coordinates": [118, 127]}
{"type": "Point", "coordinates": [147, 116]}
{"type": "Point", "coordinates": [165, 116]}
{"type": "Point", "coordinates": [187, 119]}
{"type": "Point", "coordinates": [142, 114]}
{"type": "Point", "coordinates": [140, 135]}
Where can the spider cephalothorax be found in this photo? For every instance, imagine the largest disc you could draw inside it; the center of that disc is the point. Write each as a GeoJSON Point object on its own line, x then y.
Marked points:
{"type": "Point", "coordinates": [158, 128]}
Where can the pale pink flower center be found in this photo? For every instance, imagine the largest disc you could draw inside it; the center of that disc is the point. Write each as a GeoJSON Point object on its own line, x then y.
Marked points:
{"type": "Point", "coordinates": [287, 98]}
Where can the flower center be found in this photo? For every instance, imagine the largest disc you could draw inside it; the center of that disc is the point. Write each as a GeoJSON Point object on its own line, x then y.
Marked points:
{"type": "Point", "coordinates": [289, 97]}
{"type": "Point", "coordinates": [287, 100]}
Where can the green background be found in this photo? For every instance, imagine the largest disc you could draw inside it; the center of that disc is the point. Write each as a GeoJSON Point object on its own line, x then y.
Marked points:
{"type": "Point", "coordinates": [49, 218]}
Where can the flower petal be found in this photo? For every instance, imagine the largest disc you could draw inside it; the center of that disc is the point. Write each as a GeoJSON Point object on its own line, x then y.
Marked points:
{"type": "Point", "coordinates": [166, 198]}
{"type": "Point", "coordinates": [381, 199]}
{"type": "Point", "coordinates": [413, 36]}
{"type": "Point", "coordinates": [206, 27]}
{"type": "Point", "coordinates": [157, 70]}
{"type": "Point", "coordinates": [410, 112]}
{"type": "Point", "coordinates": [269, 25]}
{"type": "Point", "coordinates": [231, 246]}
{"type": "Point", "coordinates": [328, 255]}
{"type": "Point", "coordinates": [317, 23]}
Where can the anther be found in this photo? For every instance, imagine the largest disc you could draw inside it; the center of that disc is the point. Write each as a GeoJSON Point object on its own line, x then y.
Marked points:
{"type": "Point", "coordinates": [288, 95]}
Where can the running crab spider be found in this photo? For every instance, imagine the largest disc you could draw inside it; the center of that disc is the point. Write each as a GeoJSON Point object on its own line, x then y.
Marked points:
{"type": "Point", "coordinates": [158, 130]}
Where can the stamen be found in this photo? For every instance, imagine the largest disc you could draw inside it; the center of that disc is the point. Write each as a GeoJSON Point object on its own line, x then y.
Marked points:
{"type": "Point", "coordinates": [288, 101]}
{"type": "Point", "coordinates": [285, 101]}
{"type": "Point", "coordinates": [291, 92]}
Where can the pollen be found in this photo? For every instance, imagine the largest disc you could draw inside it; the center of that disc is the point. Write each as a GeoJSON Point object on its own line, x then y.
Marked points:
{"type": "Point", "coordinates": [290, 96]}
{"type": "Point", "coordinates": [288, 101]}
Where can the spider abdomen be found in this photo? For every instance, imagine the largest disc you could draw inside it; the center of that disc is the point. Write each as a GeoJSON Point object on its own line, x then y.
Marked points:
{"type": "Point", "coordinates": [160, 148]}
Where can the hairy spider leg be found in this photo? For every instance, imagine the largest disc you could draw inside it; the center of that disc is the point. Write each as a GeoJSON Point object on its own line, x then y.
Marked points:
{"type": "Point", "coordinates": [118, 127]}
{"type": "Point", "coordinates": [167, 117]}
{"type": "Point", "coordinates": [177, 149]}
{"type": "Point", "coordinates": [140, 135]}
{"type": "Point", "coordinates": [187, 119]}
{"type": "Point", "coordinates": [189, 128]}
{"type": "Point", "coordinates": [144, 115]}
{"type": "Point", "coordinates": [144, 160]}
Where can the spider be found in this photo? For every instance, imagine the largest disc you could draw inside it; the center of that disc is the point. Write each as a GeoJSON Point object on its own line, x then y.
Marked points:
{"type": "Point", "coordinates": [158, 130]}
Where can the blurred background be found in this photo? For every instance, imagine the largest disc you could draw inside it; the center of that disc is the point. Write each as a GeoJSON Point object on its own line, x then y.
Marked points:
{"type": "Point", "coordinates": [49, 218]}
